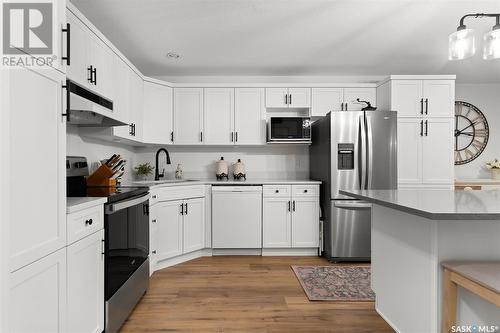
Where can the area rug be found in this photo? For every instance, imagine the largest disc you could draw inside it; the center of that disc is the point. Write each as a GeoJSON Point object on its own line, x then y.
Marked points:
{"type": "Point", "coordinates": [335, 283]}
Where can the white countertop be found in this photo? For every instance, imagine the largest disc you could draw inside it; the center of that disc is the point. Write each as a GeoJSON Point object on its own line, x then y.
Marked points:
{"type": "Point", "coordinates": [76, 204]}
{"type": "Point", "coordinates": [153, 184]}
{"type": "Point", "coordinates": [436, 204]}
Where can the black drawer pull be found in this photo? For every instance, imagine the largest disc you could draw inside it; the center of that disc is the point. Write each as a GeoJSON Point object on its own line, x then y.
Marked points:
{"type": "Point", "coordinates": [89, 222]}
{"type": "Point", "coordinates": [305, 191]}
{"type": "Point", "coordinates": [277, 191]}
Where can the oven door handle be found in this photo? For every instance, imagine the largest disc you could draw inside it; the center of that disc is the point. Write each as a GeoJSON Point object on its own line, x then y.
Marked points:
{"type": "Point", "coordinates": [113, 208]}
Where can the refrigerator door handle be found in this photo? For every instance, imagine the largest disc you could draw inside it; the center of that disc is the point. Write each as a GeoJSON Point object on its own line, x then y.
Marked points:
{"type": "Point", "coordinates": [361, 152]}
{"type": "Point", "coordinates": [369, 154]}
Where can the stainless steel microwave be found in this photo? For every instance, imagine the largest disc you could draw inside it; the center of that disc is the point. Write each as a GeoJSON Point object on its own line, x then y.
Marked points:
{"type": "Point", "coordinates": [293, 129]}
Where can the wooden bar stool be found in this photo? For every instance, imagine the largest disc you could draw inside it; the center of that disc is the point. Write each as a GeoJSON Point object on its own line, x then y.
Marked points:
{"type": "Point", "coordinates": [479, 277]}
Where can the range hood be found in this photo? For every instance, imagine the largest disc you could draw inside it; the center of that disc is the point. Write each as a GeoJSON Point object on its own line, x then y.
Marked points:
{"type": "Point", "coordinates": [87, 109]}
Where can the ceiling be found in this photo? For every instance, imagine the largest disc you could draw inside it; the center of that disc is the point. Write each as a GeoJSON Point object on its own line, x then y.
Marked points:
{"type": "Point", "coordinates": [293, 37]}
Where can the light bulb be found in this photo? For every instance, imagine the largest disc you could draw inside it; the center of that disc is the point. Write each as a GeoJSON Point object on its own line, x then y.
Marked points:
{"type": "Point", "coordinates": [491, 45]}
{"type": "Point", "coordinates": [461, 44]}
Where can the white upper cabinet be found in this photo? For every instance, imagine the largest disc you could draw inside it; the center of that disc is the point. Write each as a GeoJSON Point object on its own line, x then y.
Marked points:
{"type": "Point", "coordinates": [364, 94]}
{"type": "Point", "coordinates": [417, 98]}
{"type": "Point", "coordinates": [325, 100]}
{"type": "Point", "coordinates": [79, 41]}
{"type": "Point", "coordinates": [158, 124]}
{"type": "Point", "coordinates": [121, 105]}
{"type": "Point", "coordinates": [37, 133]}
{"type": "Point", "coordinates": [249, 116]}
{"type": "Point", "coordinates": [299, 97]}
{"type": "Point", "coordinates": [102, 61]}
{"type": "Point", "coordinates": [276, 97]}
{"type": "Point", "coordinates": [439, 98]}
{"type": "Point", "coordinates": [219, 116]}
{"type": "Point", "coordinates": [136, 112]}
{"type": "Point", "coordinates": [288, 97]}
{"type": "Point", "coordinates": [188, 116]}
{"type": "Point", "coordinates": [410, 132]}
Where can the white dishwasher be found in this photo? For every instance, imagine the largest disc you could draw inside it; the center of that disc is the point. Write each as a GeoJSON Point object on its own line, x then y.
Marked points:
{"type": "Point", "coordinates": [236, 217]}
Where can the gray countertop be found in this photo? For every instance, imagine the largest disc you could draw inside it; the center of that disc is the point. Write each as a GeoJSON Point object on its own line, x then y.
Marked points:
{"type": "Point", "coordinates": [436, 204]}
{"type": "Point", "coordinates": [153, 184]}
{"type": "Point", "coordinates": [75, 204]}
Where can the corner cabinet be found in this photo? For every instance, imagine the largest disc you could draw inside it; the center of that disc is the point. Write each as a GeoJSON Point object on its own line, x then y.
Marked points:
{"type": "Point", "coordinates": [158, 125]}
{"type": "Point", "coordinates": [425, 106]}
{"type": "Point", "coordinates": [290, 216]}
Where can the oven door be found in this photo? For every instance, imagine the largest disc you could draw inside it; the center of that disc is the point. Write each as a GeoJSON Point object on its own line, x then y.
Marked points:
{"type": "Point", "coordinates": [289, 129]}
{"type": "Point", "coordinates": [126, 226]}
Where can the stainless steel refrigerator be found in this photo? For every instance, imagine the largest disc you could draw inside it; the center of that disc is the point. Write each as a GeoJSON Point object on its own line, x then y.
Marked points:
{"type": "Point", "coordinates": [352, 150]}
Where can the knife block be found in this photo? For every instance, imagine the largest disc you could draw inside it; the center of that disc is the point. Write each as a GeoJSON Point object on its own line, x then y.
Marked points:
{"type": "Point", "coordinates": [101, 177]}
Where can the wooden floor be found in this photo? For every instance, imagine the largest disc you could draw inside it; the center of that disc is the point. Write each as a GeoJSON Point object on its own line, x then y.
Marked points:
{"type": "Point", "coordinates": [244, 294]}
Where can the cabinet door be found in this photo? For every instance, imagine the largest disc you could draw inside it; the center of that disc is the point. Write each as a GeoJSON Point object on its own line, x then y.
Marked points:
{"type": "Point", "coordinates": [276, 97]}
{"type": "Point", "coordinates": [249, 116]}
{"type": "Point", "coordinates": [37, 133]}
{"type": "Point", "coordinates": [121, 103]}
{"type": "Point", "coordinates": [85, 262]}
{"type": "Point", "coordinates": [102, 59]}
{"type": "Point", "coordinates": [437, 151]}
{"type": "Point", "coordinates": [218, 116]}
{"type": "Point", "coordinates": [276, 223]}
{"type": "Point", "coordinates": [305, 222]}
{"type": "Point", "coordinates": [157, 125]}
{"type": "Point", "coordinates": [325, 100]}
{"type": "Point", "coordinates": [194, 224]}
{"type": "Point", "coordinates": [153, 238]}
{"type": "Point", "coordinates": [364, 94]}
{"type": "Point", "coordinates": [410, 150]}
{"type": "Point", "coordinates": [136, 94]}
{"type": "Point", "coordinates": [37, 296]}
{"type": "Point", "coordinates": [407, 98]}
{"type": "Point", "coordinates": [188, 115]}
{"type": "Point", "coordinates": [169, 220]}
{"type": "Point", "coordinates": [80, 41]}
{"type": "Point", "coordinates": [439, 97]}
{"type": "Point", "coordinates": [299, 97]}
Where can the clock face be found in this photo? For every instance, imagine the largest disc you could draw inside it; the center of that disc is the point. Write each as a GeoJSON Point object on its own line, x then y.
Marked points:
{"type": "Point", "coordinates": [471, 132]}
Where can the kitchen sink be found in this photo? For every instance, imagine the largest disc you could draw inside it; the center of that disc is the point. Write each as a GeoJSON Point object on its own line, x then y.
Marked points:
{"type": "Point", "coordinates": [165, 181]}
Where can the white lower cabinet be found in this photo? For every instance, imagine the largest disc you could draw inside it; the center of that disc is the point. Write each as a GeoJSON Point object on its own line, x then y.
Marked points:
{"type": "Point", "coordinates": [85, 279]}
{"type": "Point", "coordinates": [291, 220]}
{"type": "Point", "coordinates": [179, 228]}
{"type": "Point", "coordinates": [37, 296]}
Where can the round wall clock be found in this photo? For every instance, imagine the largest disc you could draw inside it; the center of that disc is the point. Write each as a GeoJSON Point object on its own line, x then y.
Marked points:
{"type": "Point", "coordinates": [471, 132]}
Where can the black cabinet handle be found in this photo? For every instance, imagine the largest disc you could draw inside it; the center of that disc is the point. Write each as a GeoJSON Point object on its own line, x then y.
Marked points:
{"type": "Point", "coordinates": [201, 136]}
{"type": "Point", "coordinates": [89, 73]}
{"type": "Point", "coordinates": [293, 206]}
{"type": "Point", "coordinates": [186, 211]}
{"type": "Point", "coordinates": [94, 80]}
{"type": "Point", "coordinates": [89, 222]}
{"type": "Point", "coordinates": [421, 106]}
{"type": "Point", "coordinates": [182, 209]}
{"type": "Point", "coordinates": [153, 252]}
{"type": "Point", "coordinates": [236, 139]}
{"type": "Point", "coordinates": [68, 99]}
{"type": "Point", "coordinates": [277, 191]}
{"type": "Point", "coordinates": [232, 136]}
{"type": "Point", "coordinates": [154, 196]}
{"type": "Point", "coordinates": [421, 128]}
{"type": "Point", "coordinates": [426, 127]}
{"type": "Point", "coordinates": [286, 98]}
{"type": "Point", "coordinates": [172, 136]}
{"type": "Point", "coordinates": [68, 44]}
{"type": "Point", "coordinates": [345, 109]}
{"type": "Point", "coordinates": [289, 205]}
{"type": "Point", "coordinates": [154, 221]}
{"type": "Point", "coordinates": [426, 106]}
{"type": "Point", "coordinates": [305, 191]}
{"type": "Point", "coordinates": [290, 98]}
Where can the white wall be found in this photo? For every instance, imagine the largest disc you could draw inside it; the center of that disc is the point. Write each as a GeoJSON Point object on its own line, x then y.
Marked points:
{"type": "Point", "coordinates": [487, 98]}
{"type": "Point", "coordinates": [96, 150]}
{"type": "Point", "coordinates": [275, 162]}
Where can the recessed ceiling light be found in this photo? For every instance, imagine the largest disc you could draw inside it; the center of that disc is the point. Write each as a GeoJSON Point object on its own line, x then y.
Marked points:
{"type": "Point", "coordinates": [173, 55]}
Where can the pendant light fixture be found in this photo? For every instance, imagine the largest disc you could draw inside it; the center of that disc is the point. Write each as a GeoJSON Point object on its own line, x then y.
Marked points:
{"type": "Point", "coordinates": [462, 45]}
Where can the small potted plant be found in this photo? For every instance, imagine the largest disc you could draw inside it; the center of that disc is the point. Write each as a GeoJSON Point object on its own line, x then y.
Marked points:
{"type": "Point", "coordinates": [144, 170]}
{"type": "Point", "coordinates": [494, 167]}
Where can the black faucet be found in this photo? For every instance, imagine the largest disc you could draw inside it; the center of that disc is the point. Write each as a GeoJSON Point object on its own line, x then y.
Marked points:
{"type": "Point", "coordinates": [157, 171]}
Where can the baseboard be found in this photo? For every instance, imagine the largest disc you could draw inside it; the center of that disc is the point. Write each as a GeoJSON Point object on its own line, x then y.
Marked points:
{"type": "Point", "coordinates": [386, 319]}
{"type": "Point", "coordinates": [182, 258]}
{"type": "Point", "coordinates": [290, 252]}
{"type": "Point", "coordinates": [236, 252]}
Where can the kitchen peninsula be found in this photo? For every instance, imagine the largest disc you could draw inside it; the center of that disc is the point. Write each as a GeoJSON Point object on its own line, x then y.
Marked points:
{"type": "Point", "coordinates": [413, 231]}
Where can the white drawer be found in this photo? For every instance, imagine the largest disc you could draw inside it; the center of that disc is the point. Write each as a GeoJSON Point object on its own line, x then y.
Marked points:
{"type": "Point", "coordinates": [176, 193]}
{"type": "Point", "coordinates": [276, 191]}
{"type": "Point", "coordinates": [305, 191]}
{"type": "Point", "coordinates": [85, 222]}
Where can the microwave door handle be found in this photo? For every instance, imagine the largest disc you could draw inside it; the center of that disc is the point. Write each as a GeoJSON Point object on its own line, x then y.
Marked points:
{"type": "Point", "coordinates": [113, 208]}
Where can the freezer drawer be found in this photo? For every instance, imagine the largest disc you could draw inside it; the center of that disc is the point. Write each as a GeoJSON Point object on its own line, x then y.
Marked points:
{"type": "Point", "coordinates": [237, 217]}
{"type": "Point", "coordinates": [350, 230]}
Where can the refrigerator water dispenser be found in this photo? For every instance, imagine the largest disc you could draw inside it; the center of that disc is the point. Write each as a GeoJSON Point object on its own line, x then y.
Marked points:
{"type": "Point", "coordinates": [345, 156]}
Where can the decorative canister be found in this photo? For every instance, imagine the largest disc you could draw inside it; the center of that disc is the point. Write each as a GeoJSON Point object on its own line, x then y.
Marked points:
{"type": "Point", "coordinates": [178, 172]}
{"type": "Point", "coordinates": [239, 170]}
{"type": "Point", "coordinates": [221, 169]}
